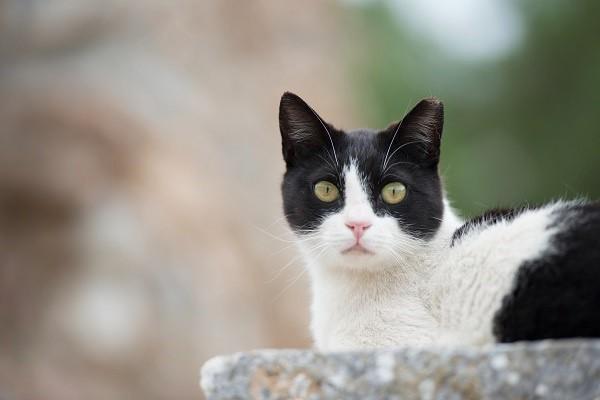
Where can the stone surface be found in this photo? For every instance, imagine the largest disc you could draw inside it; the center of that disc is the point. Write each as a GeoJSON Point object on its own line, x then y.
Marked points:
{"type": "Point", "coordinates": [542, 370]}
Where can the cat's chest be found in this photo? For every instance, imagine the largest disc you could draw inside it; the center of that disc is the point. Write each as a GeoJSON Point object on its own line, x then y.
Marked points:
{"type": "Point", "coordinates": [397, 319]}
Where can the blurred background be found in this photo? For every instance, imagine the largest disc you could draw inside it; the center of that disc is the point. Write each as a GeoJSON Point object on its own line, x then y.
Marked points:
{"type": "Point", "coordinates": [140, 218]}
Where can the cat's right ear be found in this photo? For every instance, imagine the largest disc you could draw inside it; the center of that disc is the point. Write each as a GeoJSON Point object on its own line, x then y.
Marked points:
{"type": "Point", "coordinates": [302, 130]}
{"type": "Point", "coordinates": [420, 131]}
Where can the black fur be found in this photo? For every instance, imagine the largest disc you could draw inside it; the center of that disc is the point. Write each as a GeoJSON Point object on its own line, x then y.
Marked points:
{"type": "Point", "coordinates": [314, 150]}
{"type": "Point", "coordinates": [558, 294]}
{"type": "Point", "coordinates": [489, 217]}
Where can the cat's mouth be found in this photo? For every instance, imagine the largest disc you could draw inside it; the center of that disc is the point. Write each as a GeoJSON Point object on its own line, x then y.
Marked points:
{"type": "Point", "coordinates": [357, 248]}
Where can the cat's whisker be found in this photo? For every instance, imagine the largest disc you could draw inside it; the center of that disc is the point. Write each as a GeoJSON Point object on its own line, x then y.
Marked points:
{"type": "Point", "coordinates": [280, 271]}
{"type": "Point", "coordinates": [327, 162]}
{"type": "Point", "coordinates": [332, 160]}
{"type": "Point", "coordinates": [277, 220]}
{"type": "Point", "coordinates": [289, 285]}
{"type": "Point", "coordinates": [293, 240]}
{"type": "Point", "coordinates": [308, 239]}
{"type": "Point", "coordinates": [281, 250]}
{"type": "Point", "coordinates": [274, 236]}
{"type": "Point", "coordinates": [295, 243]}
{"type": "Point", "coordinates": [323, 250]}
{"type": "Point", "coordinates": [397, 239]}
{"type": "Point", "coordinates": [307, 231]}
{"type": "Point", "coordinates": [399, 147]}
{"type": "Point", "coordinates": [328, 134]}
{"type": "Point", "coordinates": [397, 163]}
{"type": "Point", "coordinates": [319, 247]}
{"type": "Point", "coordinates": [390, 146]}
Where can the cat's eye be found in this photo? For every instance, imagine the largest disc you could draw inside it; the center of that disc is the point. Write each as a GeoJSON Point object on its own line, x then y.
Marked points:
{"type": "Point", "coordinates": [393, 193]}
{"type": "Point", "coordinates": [326, 191]}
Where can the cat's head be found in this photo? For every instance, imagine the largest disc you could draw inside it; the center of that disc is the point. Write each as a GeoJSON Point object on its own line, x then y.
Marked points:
{"type": "Point", "coordinates": [363, 198]}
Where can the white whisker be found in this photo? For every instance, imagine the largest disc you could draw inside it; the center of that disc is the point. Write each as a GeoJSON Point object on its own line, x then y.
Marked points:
{"type": "Point", "coordinates": [399, 147]}
{"type": "Point", "coordinates": [328, 134]}
{"type": "Point", "coordinates": [390, 146]}
{"type": "Point", "coordinates": [294, 240]}
{"type": "Point", "coordinates": [289, 285]}
{"type": "Point", "coordinates": [327, 162]}
{"type": "Point", "coordinates": [397, 163]}
{"type": "Point", "coordinates": [286, 266]}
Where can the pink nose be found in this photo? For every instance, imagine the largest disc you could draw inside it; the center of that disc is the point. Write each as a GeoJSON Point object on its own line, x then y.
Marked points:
{"type": "Point", "coordinates": [358, 228]}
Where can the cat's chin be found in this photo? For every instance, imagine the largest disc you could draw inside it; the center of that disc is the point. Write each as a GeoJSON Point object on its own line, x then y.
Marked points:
{"type": "Point", "coordinates": [349, 256]}
{"type": "Point", "coordinates": [357, 249]}
{"type": "Point", "coordinates": [359, 260]}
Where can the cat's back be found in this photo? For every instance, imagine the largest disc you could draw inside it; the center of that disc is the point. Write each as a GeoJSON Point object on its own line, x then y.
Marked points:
{"type": "Point", "coordinates": [499, 240]}
{"type": "Point", "coordinates": [557, 295]}
{"type": "Point", "coordinates": [527, 231]}
{"type": "Point", "coordinates": [506, 269]}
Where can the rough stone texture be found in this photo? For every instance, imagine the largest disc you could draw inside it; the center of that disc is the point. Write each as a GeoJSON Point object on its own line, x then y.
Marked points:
{"type": "Point", "coordinates": [542, 370]}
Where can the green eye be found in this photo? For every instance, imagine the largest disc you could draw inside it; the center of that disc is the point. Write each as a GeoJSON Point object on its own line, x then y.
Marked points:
{"type": "Point", "coordinates": [326, 191]}
{"type": "Point", "coordinates": [393, 193]}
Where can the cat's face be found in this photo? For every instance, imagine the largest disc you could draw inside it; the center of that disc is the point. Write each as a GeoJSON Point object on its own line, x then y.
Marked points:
{"type": "Point", "coordinates": [361, 199]}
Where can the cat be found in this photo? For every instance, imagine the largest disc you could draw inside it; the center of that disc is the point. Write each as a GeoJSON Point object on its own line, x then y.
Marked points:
{"type": "Point", "coordinates": [392, 264]}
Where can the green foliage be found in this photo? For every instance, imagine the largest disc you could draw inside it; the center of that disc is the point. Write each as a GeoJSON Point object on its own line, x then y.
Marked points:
{"type": "Point", "coordinates": [522, 129]}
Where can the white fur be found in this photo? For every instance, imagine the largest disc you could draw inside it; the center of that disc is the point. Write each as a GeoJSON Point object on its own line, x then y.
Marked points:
{"type": "Point", "coordinates": [409, 291]}
{"type": "Point", "coordinates": [473, 276]}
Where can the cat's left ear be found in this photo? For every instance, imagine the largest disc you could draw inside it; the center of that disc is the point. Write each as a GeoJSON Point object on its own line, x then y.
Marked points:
{"type": "Point", "coordinates": [420, 132]}
{"type": "Point", "coordinates": [303, 131]}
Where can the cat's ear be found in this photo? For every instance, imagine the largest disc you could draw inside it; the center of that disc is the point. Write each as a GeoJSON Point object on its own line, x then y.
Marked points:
{"type": "Point", "coordinates": [420, 132]}
{"type": "Point", "coordinates": [302, 130]}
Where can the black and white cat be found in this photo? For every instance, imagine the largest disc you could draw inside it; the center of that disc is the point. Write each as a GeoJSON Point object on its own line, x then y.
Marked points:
{"type": "Point", "coordinates": [390, 262]}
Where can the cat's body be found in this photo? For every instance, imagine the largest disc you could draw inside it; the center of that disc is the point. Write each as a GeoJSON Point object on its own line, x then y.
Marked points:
{"type": "Point", "coordinates": [392, 265]}
{"type": "Point", "coordinates": [475, 289]}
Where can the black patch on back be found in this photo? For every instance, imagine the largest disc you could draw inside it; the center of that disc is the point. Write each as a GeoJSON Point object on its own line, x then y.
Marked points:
{"type": "Point", "coordinates": [558, 295]}
{"type": "Point", "coordinates": [488, 218]}
{"type": "Point", "coordinates": [407, 151]}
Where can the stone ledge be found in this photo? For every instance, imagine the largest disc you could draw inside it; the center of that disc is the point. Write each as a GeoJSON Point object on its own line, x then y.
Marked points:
{"type": "Point", "coordinates": [540, 370]}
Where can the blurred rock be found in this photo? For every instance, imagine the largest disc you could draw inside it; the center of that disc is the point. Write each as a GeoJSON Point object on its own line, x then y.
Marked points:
{"type": "Point", "coordinates": [549, 370]}
{"type": "Point", "coordinates": [139, 167]}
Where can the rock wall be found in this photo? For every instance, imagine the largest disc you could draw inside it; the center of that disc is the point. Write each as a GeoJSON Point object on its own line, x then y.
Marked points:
{"type": "Point", "coordinates": [544, 370]}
